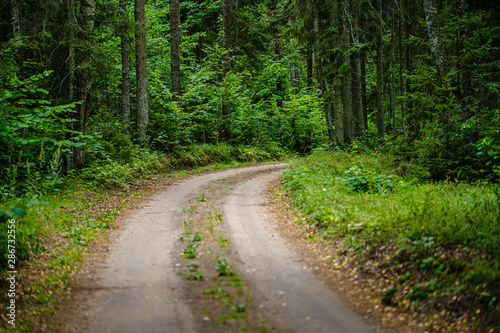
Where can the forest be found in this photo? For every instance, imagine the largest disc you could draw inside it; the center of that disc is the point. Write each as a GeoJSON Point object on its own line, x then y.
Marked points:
{"type": "Point", "coordinates": [84, 82]}
{"type": "Point", "coordinates": [395, 99]}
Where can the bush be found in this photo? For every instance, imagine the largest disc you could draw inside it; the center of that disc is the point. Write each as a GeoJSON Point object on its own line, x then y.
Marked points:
{"type": "Point", "coordinates": [33, 137]}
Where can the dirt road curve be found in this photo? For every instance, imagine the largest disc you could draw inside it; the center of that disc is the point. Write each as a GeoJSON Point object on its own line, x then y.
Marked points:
{"type": "Point", "coordinates": [139, 288]}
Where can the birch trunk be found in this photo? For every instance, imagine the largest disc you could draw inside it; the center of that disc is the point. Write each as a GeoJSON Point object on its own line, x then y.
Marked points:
{"type": "Point", "coordinates": [433, 30]}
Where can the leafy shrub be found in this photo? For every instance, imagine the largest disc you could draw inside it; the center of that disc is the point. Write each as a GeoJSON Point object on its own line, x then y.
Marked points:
{"type": "Point", "coordinates": [488, 153]}
{"type": "Point", "coordinates": [33, 137]}
{"type": "Point", "coordinates": [361, 180]}
{"type": "Point", "coordinates": [109, 140]}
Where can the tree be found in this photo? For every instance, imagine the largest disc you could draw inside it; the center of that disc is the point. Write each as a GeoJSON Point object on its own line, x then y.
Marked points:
{"type": "Point", "coordinates": [141, 70]}
{"type": "Point", "coordinates": [357, 90]}
{"type": "Point", "coordinates": [226, 68]}
{"type": "Point", "coordinates": [431, 18]}
{"type": "Point", "coordinates": [319, 70]}
{"type": "Point", "coordinates": [83, 79]}
{"type": "Point", "coordinates": [175, 44]}
{"type": "Point", "coordinates": [393, 77]}
{"type": "Point", "coordinates": [380, 75]}
{"type": "Point", "coordinates": [125, 104]}
{"type": "Point", "coordinates": [347, 78]}
{"type": "Point", "coordinates": [16, 30]}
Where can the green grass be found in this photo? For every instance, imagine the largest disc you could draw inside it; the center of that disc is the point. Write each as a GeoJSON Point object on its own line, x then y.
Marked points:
{"type": "Point", "coordinates": [61, 223]}
{"type": "Point", "coordinates": [362, 201]}
{"type": "Point", "coordinates": [445, 213]}
{"type": "Point", "coordinates": [146, 164]}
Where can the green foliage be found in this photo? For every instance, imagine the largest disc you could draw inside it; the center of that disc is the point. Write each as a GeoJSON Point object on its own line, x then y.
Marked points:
{"type": "Point", "coordinates": [428, 215]}
{"type": "Point", "coordinates": [195, 276]}
{"type": "Point", "coordinates": [414, 219]}
{"type": "Point", "coordinates": [488, 152]}
{"type": "Point", "coordinates": [223, 268]}
{"type": "Point", "coordinates": [361, 180]}
{"type": "Point", "coordinates": [453, 119]}
{"type": "Point", "coordinates": [190, 251]}
{"type": "Point", "coordinates": [405, 277]}
{"type": "Point", "coordinates": [193, 266]}
{"type": "Point", "coordinates": [33, 133]}
{"type": "Point", "coordinates": [387, 299]}
{"type": "Point", "coordinates": [420, 292]}
{"type": "Point", "coordinates": [10, 228]}
{"type": "Point", "coordinates": [108, 140]}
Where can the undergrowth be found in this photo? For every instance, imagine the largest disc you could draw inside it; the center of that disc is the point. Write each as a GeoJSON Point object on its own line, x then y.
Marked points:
{"type": "Point", "coordinates": [147, 163]}
{"type": "Point", "coordinates": [447, 233]}
{"type": "Point", "coordinates": [56, 225]}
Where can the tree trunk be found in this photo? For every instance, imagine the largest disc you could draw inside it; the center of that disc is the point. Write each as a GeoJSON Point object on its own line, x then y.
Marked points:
{"type": "Point", "coordinates": [141, 70]}
{"type": "Point", "coordinates": [346, 79]}
{"type": "Point", "coordinates": [362, 59]}
{"type": "Point", "coordinates": [226, 68]}
{"type": "Point", "coordinates": [72, 40]}
{"type": "Point", "coordinates": [279, 83]}
{"type": "Point", "coordinates": [295, 76]}
{"type": "Point", "coordinates": [125, 104]}
{"type": "Point", "coordinates": [357, 97]}
{"type": "Point", "coordinates": [175, 44]}
{"type": "Point", "coordinates": [363, 88]}
{"type": "Point", "coordinates": [357, 106]}
{"type": "Point", "coordinates": [309, 66]}
{"type": "Point", "coordinates": [317, 39]}
{"type": "Point", "coordinates": [16, 30]}
{"type": "Point", "coordinates": [393, 79]}
{"type": "Point", "coordinates": [380, 79]}
{"type": "Point", "coordinates": [431, 18]}
{"type": "Point", "coordinates": [319, 71]}
{"type": "Point", "coordinates": [402, 85]}
{"type": "Point", "coordinates": [83, 77]}
{"type": "Point", "coordinates": [338, 113]}
{"type": "Point", "coordinates": [70, 13]}
{"type": "Point", "coordinates": [409, 67]}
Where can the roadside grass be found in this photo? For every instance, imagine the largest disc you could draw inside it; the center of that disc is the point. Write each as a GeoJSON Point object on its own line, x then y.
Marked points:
{"type": "Point", "coordinates": [200, 157]}
{"type": "Point", "coordinates": [440, 241]}
{"type": "Point", "coordinates": [53, 230]}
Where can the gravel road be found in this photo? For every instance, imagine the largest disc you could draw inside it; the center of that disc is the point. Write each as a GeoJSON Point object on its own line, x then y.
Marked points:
{"type": "Point", "coordinates": [138, 287]}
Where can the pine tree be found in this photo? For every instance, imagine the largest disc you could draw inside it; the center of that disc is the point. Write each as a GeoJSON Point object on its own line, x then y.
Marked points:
{"type": "Point", "coordinates": [141, 70]}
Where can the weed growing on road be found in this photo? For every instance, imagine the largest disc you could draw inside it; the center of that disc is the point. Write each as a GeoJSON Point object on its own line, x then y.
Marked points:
{"type": "Point", "coordinates": [223, 268]}
{"type": "Point", "coordinates": [226, 294]}
{"type": "Point", "coordinates": [190, 251]}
